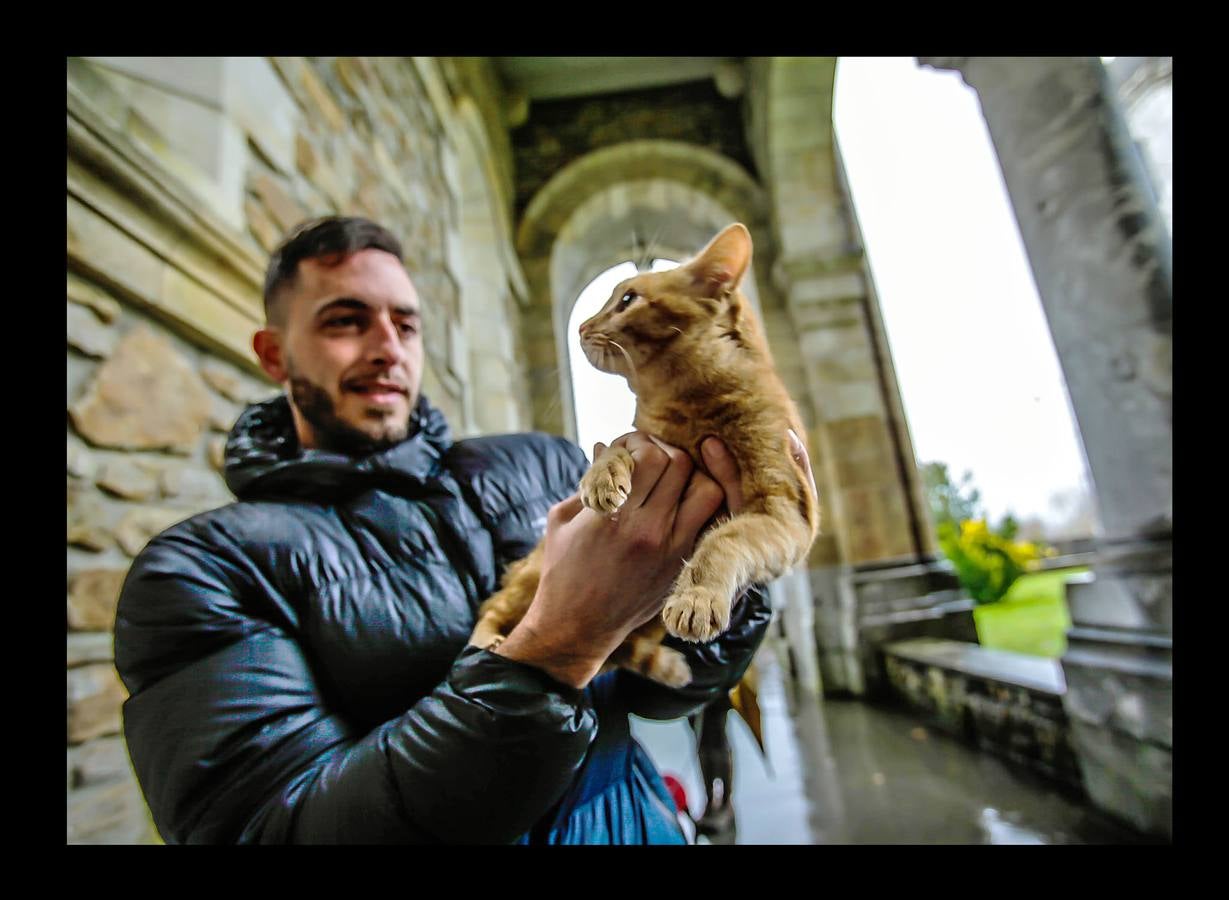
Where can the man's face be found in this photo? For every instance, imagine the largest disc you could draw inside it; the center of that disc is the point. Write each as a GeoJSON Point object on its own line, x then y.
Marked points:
{"type": "Point", "coordinates": [350, 351]}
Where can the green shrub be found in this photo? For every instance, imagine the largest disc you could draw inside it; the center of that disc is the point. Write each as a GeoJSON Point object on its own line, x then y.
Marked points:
{"type": "Point", "coordinates": [987, 562]}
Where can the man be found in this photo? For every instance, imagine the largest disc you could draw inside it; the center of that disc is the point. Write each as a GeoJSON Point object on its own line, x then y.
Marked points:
{"type": "Point", "coordinates": [297, 661]}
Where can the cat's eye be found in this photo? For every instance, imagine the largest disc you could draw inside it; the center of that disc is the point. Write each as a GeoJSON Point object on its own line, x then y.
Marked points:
{"type": "Point", "coordinates": [627, 299]}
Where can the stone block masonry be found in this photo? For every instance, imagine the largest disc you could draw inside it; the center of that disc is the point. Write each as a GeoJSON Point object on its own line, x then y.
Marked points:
{"type": "Point", "coordinates": [1006, 703]}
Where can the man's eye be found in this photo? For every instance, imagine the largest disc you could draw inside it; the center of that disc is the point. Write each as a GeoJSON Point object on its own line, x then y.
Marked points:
{"type": "Point", "coordinates": [342, 322]}
{"type": "Point", "coordinates": [408, 328]}
{"type": "Point", "coordinates": [627, 299]}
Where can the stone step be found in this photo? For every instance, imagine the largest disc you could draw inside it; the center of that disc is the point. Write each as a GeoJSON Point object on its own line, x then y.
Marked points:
{"type": "Point", "coordinates": [1006, 703]}
{"type": "Point", "coordinates": [914, 609]}
{"type": "Point", "coordinates": [1033, 672]}
{"type": "Point", "coordinates": [905, 583]}
{"type": "Point", "coordinates": [1138, 654]}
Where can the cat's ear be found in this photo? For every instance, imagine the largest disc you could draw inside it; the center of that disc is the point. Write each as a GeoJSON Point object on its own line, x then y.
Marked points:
{"type": "Point", "coordinates": [720, 266]}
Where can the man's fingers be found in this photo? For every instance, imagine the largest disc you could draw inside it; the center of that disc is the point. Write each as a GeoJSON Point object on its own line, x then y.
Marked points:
{"type": "Point", "coordinates": [649, 461]}
{"type": "Point", "coordinates": [565, 511]}
{"type": "Point", "coordinates": [664, 498]}
{"type": "Point", "coordinates": [700, 503]}
{"type": "Point", "coordinates": [723, 467]}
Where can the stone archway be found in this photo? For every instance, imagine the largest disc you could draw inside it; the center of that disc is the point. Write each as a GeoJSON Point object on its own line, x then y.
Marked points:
{"type": "Point", "coordinates": [675, 196]}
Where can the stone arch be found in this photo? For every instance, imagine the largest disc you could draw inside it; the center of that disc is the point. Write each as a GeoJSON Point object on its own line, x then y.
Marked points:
{"type": "Point", "coordinates": [581, 222]}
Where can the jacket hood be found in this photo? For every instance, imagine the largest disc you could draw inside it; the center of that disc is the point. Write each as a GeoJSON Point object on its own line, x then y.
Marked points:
{"type": "Point", "coordinates": [265, 461]}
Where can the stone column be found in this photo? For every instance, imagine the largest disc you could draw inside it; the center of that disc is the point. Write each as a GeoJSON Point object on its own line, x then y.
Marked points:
{"type": "Point", "coordinates": [874, 557]}
{"type": "Point", "coordinates": [1101, 258]}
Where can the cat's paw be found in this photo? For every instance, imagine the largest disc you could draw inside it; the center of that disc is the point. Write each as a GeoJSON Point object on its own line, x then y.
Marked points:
{"type": "Point", "coordinates": [669, 667]}
{"type": "Point", "coordinates": [696, 613]}
{"type": "Point", "coordinates": [608, 482]}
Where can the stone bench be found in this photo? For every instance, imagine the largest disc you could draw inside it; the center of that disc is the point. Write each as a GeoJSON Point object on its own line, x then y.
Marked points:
{"type": "Point", "coordinates": [1007, 703]}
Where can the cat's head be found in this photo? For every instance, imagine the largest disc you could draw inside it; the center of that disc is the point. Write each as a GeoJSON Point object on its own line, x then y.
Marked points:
{"type": "Point", "coordinates": [652, 312]}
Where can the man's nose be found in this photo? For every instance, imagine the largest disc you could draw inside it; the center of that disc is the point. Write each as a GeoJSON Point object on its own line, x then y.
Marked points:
{"type": "Point", "coordinates": [386, 344]}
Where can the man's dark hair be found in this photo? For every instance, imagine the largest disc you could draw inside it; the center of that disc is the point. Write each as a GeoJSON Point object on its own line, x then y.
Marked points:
{"type": "Point", "coordinates": [330, 236]}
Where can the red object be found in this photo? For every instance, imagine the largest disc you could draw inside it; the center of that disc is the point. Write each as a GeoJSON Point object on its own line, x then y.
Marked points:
{"type": "Point", "coordinates": [676, 793]}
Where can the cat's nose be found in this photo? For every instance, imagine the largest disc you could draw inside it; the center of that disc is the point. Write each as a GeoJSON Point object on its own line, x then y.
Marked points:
{"type": "Point", "coordinates": [583, 327]}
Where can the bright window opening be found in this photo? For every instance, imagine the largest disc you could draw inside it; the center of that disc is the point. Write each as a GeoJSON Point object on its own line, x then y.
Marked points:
{"type": "Point", "coordinates": [978, 373]}
{"type": "Point", "coordinates": [605, 406]}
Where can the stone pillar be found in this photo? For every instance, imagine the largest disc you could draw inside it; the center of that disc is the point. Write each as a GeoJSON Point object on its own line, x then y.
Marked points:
{"type": "Point", "coordinates": [1101, 258]}
{"type": "Point", "coordinates": [875, 554]}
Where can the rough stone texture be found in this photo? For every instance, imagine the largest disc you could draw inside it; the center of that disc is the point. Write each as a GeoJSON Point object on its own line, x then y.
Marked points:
{"type": "Point", "coordinates": [217, 452]}
{"type": "Point", "coordinates": [232, 385]}
{"type": "Point", "coordinates": [994, 710]}
{"type": "Point", "coordinates": [192, 483]}
{"type": "Point", "coordinates": [128, 479]}
{"type": "Point", "coordinates": [262, 226]}
{"type": "Point", "coordinates": [92, 598]}
{"type": "Point", "coordinates": [88, 334]}
{"type": "Point", "coordinates": [92, 297]}
{"type": "Point", "coordinates": [90, 647]}
{"type": "Point", "coordinates": [1137, 704]}
{"type": "Point", "coordinates": [1130, 778]}
{"type": "Point", "coordinates": [261, 107]}
{"type": "Point", "coordinates": [95, 695]}
{"type": "Point", "coordinates": [87, 520]}
{"type": "Point", "coordinates": [101, 761]}
{"type": "Point", "coordinates": [81, 463]}
{"type": "Point", "coordinates": [1132, 588]}
{"type": "Point", "coordinates": [286, 211]}
{"type": "Point", "coordinates": [109, 814]}
{"type": "Point", "coordinates": [320, 102]}
{"type": "Point", "coordinates": [141, 523]}
{"type": "Point", "coordinates": [145, 397]}
{"type": "Point", "coordinates": [223, 416]}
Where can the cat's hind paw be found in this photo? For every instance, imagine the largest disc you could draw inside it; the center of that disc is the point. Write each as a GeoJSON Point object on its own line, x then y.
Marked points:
{"type": "Point", "coordinates": [608, 482]}
{"type": "Point", "coordinates": [696, 613]}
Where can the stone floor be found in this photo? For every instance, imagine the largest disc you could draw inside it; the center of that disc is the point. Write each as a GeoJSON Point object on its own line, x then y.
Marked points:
{"type": "Point", "coordinates": [845, 772]}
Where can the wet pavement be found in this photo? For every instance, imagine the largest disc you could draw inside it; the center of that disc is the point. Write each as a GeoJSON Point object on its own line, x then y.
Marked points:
{"type": "Point", "coordinates": [846, 772]}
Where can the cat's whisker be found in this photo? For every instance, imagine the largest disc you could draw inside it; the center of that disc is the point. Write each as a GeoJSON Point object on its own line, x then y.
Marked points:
{"type": "Point", "coordinates": [625, 354]}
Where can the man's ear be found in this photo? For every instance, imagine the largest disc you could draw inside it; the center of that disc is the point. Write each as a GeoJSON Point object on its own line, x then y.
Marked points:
{"type": "Point", "coordinates": [268, 346]}
{"type": "Point", "coordinates": [720, 266]}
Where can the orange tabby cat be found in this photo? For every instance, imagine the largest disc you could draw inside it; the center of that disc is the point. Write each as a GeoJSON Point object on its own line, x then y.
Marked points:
{"type": "Point", "coordinates": [694, 354]}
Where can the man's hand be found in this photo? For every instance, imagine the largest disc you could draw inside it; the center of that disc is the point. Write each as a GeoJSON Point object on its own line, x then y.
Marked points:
{"type": "Point", "coordinates": [605, 575]}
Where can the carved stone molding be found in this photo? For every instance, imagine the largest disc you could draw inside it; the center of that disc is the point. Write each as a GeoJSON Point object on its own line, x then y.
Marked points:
{"type": "Point", "coordinates": [134, 226]}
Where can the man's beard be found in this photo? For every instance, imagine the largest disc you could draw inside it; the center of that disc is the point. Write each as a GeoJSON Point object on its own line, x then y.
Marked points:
{"type": "Point", "coordinates": [335, 434]}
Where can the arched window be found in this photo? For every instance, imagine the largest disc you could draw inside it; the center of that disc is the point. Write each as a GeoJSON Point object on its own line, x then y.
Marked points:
{"type": "Point", "coordinates": [978, 373]}
{"type": "Point", "coordinates": [605, 406]}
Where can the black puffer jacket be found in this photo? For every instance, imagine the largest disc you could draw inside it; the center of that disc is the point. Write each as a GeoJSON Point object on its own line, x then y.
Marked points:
{"type": "Point", "coordinates": [296, 661]}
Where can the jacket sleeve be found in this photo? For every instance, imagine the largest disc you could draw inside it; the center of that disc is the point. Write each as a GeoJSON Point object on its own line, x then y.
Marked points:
{"type": "Point", "coordinates": [231, 740]}
{"type": "Point", "coordinates": [715, 667]}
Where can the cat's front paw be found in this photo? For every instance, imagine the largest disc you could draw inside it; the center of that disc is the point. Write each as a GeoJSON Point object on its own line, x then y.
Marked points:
{"type": "Point", "coordinates": [669, 667]}
{"type": "Point", "coordinates": [608, 482]}
{"type": "Point", "coordinates": [696, 613]}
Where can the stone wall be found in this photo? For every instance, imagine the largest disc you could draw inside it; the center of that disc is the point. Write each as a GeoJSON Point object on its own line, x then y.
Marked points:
{"type": "Point", "coordinates": [148, 412]}
{"type": "Point", "coordinates": [182, 174]}
{"type": "Point", "coordinates": [1004, 703]}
